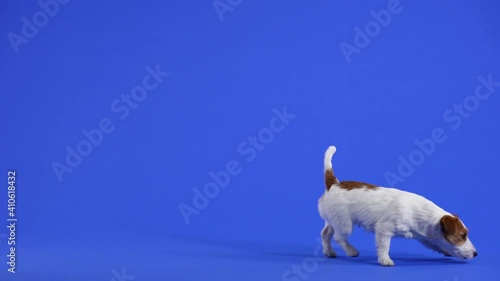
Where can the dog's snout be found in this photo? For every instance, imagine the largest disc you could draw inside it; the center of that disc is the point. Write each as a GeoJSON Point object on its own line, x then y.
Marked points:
{"type": "Point", "coordinates": [475, 254]}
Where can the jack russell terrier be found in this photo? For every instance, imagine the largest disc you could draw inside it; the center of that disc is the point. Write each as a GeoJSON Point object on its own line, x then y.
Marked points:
{"type": "Point", "coordinates": [388, 212]}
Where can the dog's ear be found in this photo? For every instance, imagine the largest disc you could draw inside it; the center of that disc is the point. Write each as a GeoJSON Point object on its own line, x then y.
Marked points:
{"type": "Point", "coordinates": [453, 230]}
{"type": "Point", "coordinates": [455, 215]}
{"type": "Point", "coordinates": [448, 224]}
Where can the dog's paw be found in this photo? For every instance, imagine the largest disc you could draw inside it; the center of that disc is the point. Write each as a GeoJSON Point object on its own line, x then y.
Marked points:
{"type": "Point", "coordinates": [330, 253]}
{"type": "Point", "coordinates": [352, 253]}
{"type": "Point", "coordinates": [386, 261]}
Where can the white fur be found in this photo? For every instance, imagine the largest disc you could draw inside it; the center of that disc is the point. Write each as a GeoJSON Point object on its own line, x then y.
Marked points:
{"type": "Point", "coordinates": [388, 212]}
{"type": "Point", "coordinates": [328, 157]}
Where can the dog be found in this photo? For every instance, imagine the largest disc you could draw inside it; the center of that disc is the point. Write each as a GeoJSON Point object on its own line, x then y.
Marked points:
{"type": "Point", "coordinates": [388, 212]}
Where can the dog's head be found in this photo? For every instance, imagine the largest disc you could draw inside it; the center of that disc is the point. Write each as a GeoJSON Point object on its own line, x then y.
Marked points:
{"type": "Point", "coordinates": [455, 238]}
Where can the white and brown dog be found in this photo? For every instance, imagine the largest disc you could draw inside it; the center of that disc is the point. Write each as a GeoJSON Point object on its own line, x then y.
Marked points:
{"type": "Point", "coordinates": [388, 212]}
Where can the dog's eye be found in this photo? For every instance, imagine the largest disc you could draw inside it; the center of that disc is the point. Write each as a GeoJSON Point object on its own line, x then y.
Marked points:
{"type": "Point", "coordinates": [464, 236]}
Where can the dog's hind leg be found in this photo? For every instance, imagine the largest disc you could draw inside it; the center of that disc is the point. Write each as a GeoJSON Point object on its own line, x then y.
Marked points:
{"type": "Point", "coordinates": [326, 238]}
{"type": "Point", "coordinates": [342, 232]}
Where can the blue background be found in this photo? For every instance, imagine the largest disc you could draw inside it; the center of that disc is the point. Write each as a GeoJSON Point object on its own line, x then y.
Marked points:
{"type": "Point", "coordinates": [119, 208]}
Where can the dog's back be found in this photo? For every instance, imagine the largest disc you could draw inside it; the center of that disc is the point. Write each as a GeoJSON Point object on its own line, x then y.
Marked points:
{"type": "Point", "coordinates": [367, 205]}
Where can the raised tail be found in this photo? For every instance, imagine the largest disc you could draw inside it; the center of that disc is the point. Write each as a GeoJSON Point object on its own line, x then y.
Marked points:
{"type": "Point", "coordinates": [330, 178]}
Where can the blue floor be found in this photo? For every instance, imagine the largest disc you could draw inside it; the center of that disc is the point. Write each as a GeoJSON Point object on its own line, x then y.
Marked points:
{"type": "Point", "coordinates": [184, 140]}
{"type": "Point", "coordinates": [178, 258]}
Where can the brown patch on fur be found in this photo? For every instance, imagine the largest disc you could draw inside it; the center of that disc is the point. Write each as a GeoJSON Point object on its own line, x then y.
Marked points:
{"type": "Point", "coordinates": [453, 230]}
{"type": "Point", "coordinates": [349, 185]}
{"type": "Point", "coordinates": [330, 179]}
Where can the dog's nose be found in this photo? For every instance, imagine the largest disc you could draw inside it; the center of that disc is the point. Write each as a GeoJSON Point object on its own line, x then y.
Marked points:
{"type": "Point", "coordinates": [475, 254]}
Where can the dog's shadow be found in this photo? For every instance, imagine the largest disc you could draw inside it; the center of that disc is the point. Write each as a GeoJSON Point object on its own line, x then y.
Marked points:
{"type": "Point", "coordinates": [273, 252]}
{"type": "Point", "coordinates": [401, 259]}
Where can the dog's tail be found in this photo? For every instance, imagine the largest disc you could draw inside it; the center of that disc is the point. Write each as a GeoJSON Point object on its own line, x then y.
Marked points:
{"type": "Point", "coordinates": [330, 178]}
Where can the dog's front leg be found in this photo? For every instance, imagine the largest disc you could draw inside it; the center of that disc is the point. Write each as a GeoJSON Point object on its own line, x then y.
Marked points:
{"type": "Point", "coordinates": [383, 241]}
